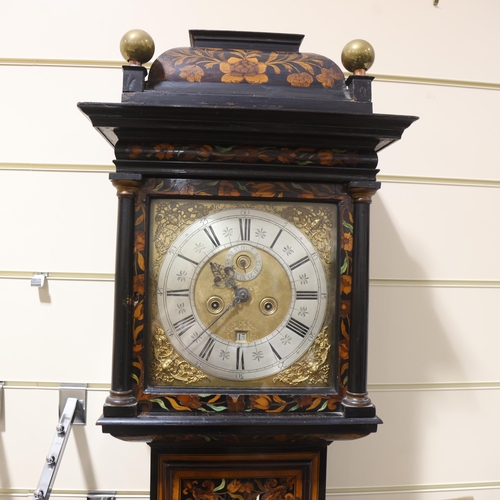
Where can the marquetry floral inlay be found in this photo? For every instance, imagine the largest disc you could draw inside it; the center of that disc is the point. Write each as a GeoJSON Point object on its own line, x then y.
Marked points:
{"type": "Point", "coordinates": [196, 65]}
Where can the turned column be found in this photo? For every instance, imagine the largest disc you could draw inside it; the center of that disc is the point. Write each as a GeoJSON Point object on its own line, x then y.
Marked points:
{"type": "Point", "coordinates": [356, 402]}
{"type": "Point", "coordinates": [121, 400]}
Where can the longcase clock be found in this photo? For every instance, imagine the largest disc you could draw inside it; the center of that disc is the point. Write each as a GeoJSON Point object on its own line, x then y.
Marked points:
{"type": "Point", "coordinates": [244, 173]}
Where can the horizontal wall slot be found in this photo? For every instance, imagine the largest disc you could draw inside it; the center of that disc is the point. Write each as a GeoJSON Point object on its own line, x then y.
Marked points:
{"type": "Point", "coordinates": [95, 63]}
{"type": "Point", "coordinates": [59, 276]}
{"type": "Point", "coordinates": [66, 63]}
{"type": "Point", "coordinates": [30, 385]}
{"type": "Point", "coordinates": [439, 181]}
{"type": "Point", "coordinates": [435, 283]}
{"type": "Point", "coordinates": [452, 489]}
{"type": "Point", "coordinates": [443, 386]}
{"type": "Point", "coordinates": [457, 489]}
{"type": "Point", "coordinates": [395, 179]}
{"type": "Point", "coordinates": [56, 167]}
{"type": "Point", "coordinates": [422, 386]}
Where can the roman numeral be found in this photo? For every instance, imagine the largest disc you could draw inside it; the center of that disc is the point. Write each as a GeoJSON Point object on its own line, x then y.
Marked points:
{"type": "Point", "coordinates": [245, 229]}
{"type": "Point", "coordinates": [183, 325]}
{"type": "Point", "coordinates": [209, 231]}
{"type": "Point", "coordinates": [189, 260]}
{"type": "Point", "coordinates": [301, 295]}
{"type": "Point", "coordinates": [295, 265]}
{"type": "Point", "coordinates": [274, 350]}
{"type": "Point", "coordinates": [297, 327]}
{"type": "Point", "coordinates": [178, 293]}
{"type": "Point", "coordinates": [276, 239]}
{"type": "Point", "coordinates": [240, 359]}
{"type": "Point", "coordinates": [207, 349]}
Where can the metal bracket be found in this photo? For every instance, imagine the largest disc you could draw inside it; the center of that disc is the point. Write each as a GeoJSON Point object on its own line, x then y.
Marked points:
{"type": "Point", "coordinates": [56, 451]}
{"type": "Point", "coordinates": [79, 392]}
{"type": "Point", "coordinates": [101, 495]}
{"type": "Point", "coordinates": [38, 279]}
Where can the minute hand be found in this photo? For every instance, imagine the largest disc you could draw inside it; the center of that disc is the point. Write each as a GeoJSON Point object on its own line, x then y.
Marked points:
{"type": "Point", "coordinates": [242, 295]}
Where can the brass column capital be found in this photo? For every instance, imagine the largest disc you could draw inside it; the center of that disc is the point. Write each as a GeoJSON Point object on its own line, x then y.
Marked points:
{"type": "Point", "coordinates": [362, 192]}
{"type": "Point", "coordinates": [126, 187]}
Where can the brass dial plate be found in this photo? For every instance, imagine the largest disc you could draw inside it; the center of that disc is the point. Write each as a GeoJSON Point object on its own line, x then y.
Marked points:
{"type": "Point", "coordinates": [281, 270]}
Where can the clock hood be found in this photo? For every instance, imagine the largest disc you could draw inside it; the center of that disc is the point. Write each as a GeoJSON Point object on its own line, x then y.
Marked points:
{"type": "Point", "coordinates": [232, 69]}
{"type": "Point", "coordinates": [255, 93]}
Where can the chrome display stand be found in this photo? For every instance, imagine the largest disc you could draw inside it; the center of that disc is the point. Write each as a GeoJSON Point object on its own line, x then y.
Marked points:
{"type": "Point", "coordinates": [73, 411]}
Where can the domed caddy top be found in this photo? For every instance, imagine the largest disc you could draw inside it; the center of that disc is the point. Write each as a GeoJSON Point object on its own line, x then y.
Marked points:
{"type": "Point", "coordinates": [245, 64]}
{"type": "Point", "coordinates": [246, 70]}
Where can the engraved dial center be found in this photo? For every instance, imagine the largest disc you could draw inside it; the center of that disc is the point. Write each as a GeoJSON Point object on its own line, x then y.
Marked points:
{"type": "Point", "coordinates": [264, 300]}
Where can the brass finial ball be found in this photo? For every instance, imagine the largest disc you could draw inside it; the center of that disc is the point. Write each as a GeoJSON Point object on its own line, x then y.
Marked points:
{"type": "Point", "coordinates": [137, 47]}
{"type": "Point", "coordinates": [358, 56]}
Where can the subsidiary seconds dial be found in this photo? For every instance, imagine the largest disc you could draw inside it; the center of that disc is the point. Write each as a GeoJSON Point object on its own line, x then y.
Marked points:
{"type": "Point", "coordinates": [242, 294]}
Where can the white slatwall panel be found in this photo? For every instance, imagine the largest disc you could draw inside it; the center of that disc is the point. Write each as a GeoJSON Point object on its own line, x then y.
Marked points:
{"type": "Point", "coordinates": [435, 232]}
{"type": "Point", "coordinates": [61, 222]}
{"type": "Point", "coordinates": [428, 437]}
{"type": "Point", "coordinates": [412, 38]}
{"type": "Point", "coordinates": [42, 121]}
{"type": "Point", "coordinates": [434, 444]}
{"type": "Point", "coordinates": [453, 137]}
{"type": "Point", "coordinates": [61, 333]}
{"type": "Point", "coordinates": [433, 335]}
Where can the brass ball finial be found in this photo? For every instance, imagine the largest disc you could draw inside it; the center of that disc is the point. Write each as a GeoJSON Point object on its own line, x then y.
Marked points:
{"type": "Point", "coordinates": [137, 47]}
{"type": "Point", "coordinates": [358, 56]}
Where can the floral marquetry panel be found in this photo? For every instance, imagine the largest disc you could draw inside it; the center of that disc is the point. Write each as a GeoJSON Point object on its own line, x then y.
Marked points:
{"type": "Point", "coordinates": [206, 153]}
{"type": "Point", "coordinates": [160, 369]}
{"type": "Point", "coordinates": [266, 476]}
{"type": "Point", "coordinates": [239, 66]}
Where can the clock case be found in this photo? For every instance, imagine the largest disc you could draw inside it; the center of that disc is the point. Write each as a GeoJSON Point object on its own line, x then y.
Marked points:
{"type": "Point", "coordinates": [291, 128]}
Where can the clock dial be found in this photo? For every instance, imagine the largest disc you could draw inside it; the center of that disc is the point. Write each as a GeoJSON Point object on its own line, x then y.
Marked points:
{"type": "Point", "coordinates": [242, 294]}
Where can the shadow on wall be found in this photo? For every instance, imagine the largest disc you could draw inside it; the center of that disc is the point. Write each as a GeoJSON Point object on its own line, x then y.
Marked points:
{"type": "Point", "coordinates": [408, 344]}
{"type": "Point", "coordinates": [44, 293]}
{"type": "Point", "coordinates": [85, 456]}
{"type": "Point", "coordinates": [4, 472]}
{"type": "Point", "coordinates": [78, 463]}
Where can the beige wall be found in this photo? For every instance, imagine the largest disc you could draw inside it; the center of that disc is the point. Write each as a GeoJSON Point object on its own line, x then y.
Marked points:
{"type": "Point", "coordinates": [435, 294]}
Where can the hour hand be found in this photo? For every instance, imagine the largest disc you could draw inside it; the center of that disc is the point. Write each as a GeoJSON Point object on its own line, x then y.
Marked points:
{"type": "Point", "coordinates": [223, 275]}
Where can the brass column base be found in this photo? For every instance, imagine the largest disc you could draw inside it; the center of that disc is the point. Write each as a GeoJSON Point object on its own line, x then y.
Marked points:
{"type": "Point", "coordinates": [358, 405]}
{"type": "Point", "coordinates": [120, 404]}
